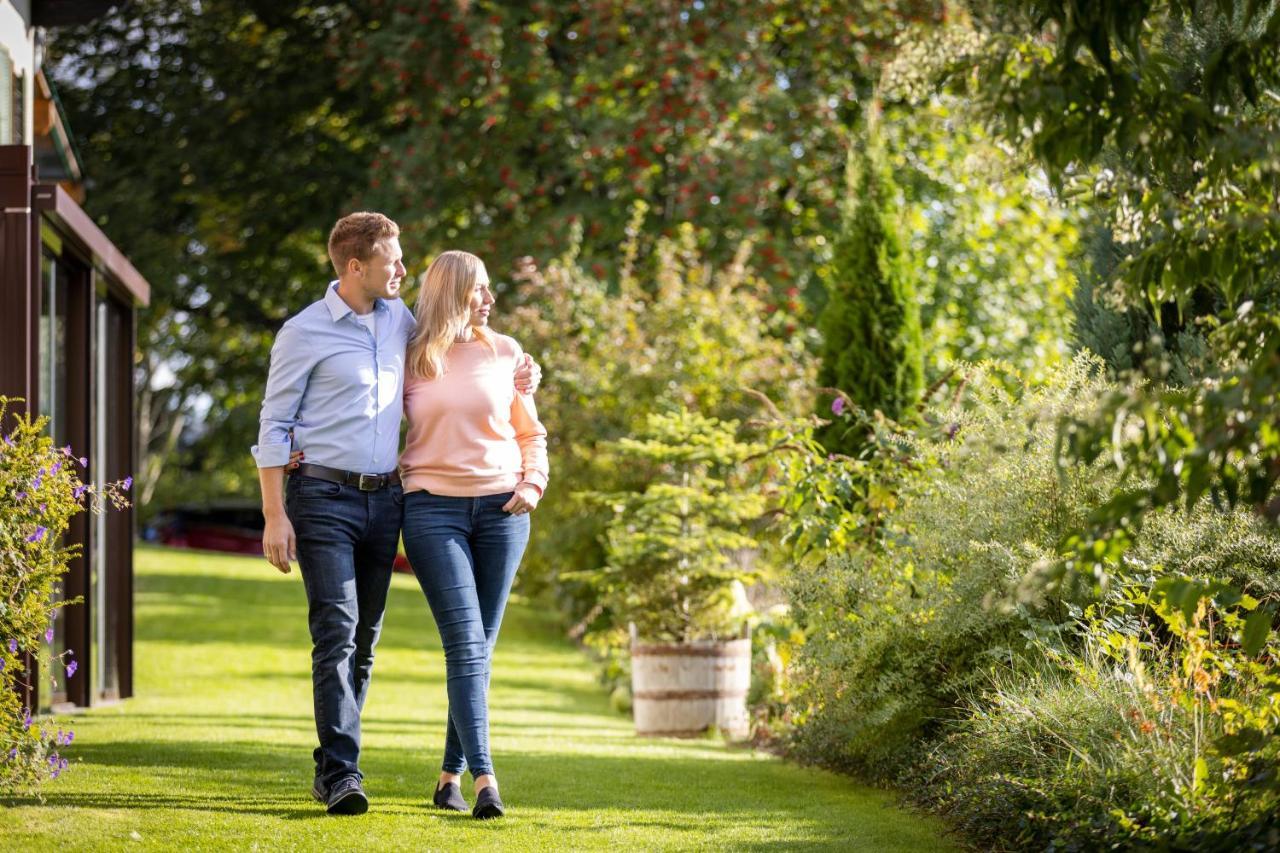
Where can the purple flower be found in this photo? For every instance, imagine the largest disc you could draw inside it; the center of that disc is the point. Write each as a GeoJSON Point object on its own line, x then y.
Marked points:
{"type": "Point", "coordinates": [35, 484]}
{"type": "Point", "coordinates": [57, 466]}
{"type": "Point", "coordinates": [128, 481]}
{"type": "Point", "coordinates": [70, 737]}
{"type": "Point", "coordinates": [84, 460]}
{"type": "Point", "coordinates": [1, 666]}
{"type": "Point", "coordinates": [20, 495]}
{"type": "Point", "coordinates": [48, 634]}
{"type": "Point", "coordinates": [79, 490]}
{"type": "Point", "coordinates": [837, 405]}
{"type": "Point", "coordinates": [26, 724]}
{"type": "Point", "coordinates": [42, 507]}
{"type": "Point", "coordinates": [13, 753]}
{"type": "Point", "coordinates": [71, 668]}
{"type": "Point", "coordinates": [13, 646]}
{"type": "Point", "coordinates": [66, 451]}
{"type": "Point", "coordinates": [8, 441]}
{"type": "Point", "coordinates": [38, 535]}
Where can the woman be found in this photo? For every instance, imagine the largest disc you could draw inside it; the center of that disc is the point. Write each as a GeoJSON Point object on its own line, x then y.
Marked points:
{"type": "Point", "coordinates": [473, 468]}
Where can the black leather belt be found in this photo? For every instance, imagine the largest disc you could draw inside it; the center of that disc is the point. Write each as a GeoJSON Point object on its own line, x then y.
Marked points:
{"type": "Point", "coordinates": [364, 482]}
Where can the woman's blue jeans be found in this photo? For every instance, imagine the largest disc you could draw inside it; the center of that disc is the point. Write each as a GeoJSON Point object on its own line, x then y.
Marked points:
{"type": "Point", "coordinates": [465, 552]}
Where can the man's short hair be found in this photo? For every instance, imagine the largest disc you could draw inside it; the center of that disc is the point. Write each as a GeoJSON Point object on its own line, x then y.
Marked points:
{"type": "Point", "coordinates": [355, 236]}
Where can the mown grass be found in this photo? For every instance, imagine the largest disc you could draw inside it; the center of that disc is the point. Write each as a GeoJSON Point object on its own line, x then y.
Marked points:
{"type": "Point", "coordinates": [215, 750]}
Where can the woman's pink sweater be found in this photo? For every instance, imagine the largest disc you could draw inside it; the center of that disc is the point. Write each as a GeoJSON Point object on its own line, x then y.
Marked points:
{"type": "Point", "coordinates": [470, 433]}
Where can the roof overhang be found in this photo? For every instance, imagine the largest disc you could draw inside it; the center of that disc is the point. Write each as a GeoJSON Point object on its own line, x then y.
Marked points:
{"type": "Point", "coordinates": [56, 154]}
{"type": "Point", "coordinates": [63, 13]}
{"type": "Point", "coordinates": [54, 202]}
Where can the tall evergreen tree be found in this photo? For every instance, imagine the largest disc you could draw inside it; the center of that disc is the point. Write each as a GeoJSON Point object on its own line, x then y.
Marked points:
{"type": "Point", "coordinates": [872, 349]}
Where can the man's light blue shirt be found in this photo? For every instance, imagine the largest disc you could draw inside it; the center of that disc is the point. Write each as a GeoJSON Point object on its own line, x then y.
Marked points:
{"type": "Point", "coordinates": [337, 386]}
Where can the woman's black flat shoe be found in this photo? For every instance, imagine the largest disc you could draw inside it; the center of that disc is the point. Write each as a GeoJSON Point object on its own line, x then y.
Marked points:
{"type": "Point", "coordinates": [488, 804]}
{"type": "Point", "coordinates": [449, 796]}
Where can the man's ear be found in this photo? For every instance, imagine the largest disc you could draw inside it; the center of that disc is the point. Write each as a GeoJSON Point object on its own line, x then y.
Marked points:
{"type": "Point", "coordinates": [355, 266]}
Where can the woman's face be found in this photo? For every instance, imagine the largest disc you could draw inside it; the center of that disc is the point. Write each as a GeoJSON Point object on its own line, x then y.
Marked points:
{"type": "Point", "coordinates": [481, 300]}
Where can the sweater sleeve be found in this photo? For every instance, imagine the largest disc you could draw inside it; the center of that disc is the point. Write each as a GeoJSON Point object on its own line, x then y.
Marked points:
{"type": "Point", "coordinates": [531, 435]}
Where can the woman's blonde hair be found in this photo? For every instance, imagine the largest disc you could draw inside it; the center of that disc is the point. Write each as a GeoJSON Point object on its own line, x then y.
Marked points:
{"type": "Point", "coordinates": [443, 311]}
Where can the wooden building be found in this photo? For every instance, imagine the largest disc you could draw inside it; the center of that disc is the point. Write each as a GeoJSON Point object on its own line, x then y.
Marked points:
{"type": "Point", "coordinates": [68, 301]}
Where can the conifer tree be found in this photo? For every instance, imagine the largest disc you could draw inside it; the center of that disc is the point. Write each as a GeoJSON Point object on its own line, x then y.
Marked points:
{"type": "Point", "coordinates": [872, 349]}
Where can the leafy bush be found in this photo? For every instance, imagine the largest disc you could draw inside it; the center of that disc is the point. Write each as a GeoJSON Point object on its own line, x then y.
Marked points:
{"type": "Point", "coordinates": [39, 493]}
{"type": "Point", "coordinates": [1149, 718]}
{"type": "Point", "coordinates": [1161, 731]}
{"type": "Point", "coordinates": [670, 549]}
{"type": "Point", "coordinates": [898, 631]}
{"type": "Point", "coordinates": [614, 351]}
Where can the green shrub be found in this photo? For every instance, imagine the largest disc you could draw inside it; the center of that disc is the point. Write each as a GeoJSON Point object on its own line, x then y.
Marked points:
{"type": "Point", "coordinates": [614, 351]}
{"type": "Point", "coordinates": [1160, 732]}
{"type": "Point", "coordinates": [669, 564]}
{"type": "Point", "coordinates": [39, 493]}
{"type": "Point", "coordinates": [871, 343]}
{"type": "Point", "coordinates": [896, 633]}
{"type": "Point", "coordinates": [1149, 718]}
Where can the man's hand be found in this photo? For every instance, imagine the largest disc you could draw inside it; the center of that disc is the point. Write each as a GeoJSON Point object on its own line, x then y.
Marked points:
{"type": "Point", "coordinates": [525, 500]}
{"type": "Point", "coordinates": [279, 545]}
{"type": "Point", "coordinates": [528, 375]}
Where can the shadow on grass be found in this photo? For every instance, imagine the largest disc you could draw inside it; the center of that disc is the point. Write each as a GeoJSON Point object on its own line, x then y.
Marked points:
{"type": "Point", "coordinates": [373, 725]}
{"type": "Point", "coordinates": [193, 609]}
{"type": "Point", "coordinates": [687, 793]}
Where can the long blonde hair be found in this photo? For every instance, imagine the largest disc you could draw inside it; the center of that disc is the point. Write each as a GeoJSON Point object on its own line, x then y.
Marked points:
{"type": "Point", "coordinates": [443, 311]}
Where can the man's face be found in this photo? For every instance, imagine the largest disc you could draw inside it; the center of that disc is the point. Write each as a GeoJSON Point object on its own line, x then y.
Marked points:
{"type": "Point", "coordinates": [382, 273]}
{"type": "Point", "coordinates": [481, 300]}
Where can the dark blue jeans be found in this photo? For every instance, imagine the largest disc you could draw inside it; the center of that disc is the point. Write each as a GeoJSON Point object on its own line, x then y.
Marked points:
{"type": "Point", "coordinates": [347, 542]}
{"type": "Point", "coordinates": [465, 552]}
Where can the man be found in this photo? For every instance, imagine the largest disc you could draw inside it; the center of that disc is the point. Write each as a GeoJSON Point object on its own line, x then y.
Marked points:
{"type": "Point", "coordinates": [334, 393]}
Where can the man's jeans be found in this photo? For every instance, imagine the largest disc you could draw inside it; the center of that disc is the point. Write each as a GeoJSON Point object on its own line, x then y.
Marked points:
{"type": "Point", "coordinates": [347, 542]}
{"type": "Point", "coordinates": [465, 552]}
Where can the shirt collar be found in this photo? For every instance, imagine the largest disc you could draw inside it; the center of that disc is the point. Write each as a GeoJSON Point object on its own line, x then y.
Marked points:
{"type": "Point", "coordinates": [338, 308]}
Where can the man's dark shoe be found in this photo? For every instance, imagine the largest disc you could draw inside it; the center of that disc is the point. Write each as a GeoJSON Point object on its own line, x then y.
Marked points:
{"type": "Point", "coordinates": [488, 804]}
{"type": "Point", "coordinates": [449, 796]}
{"type": "Point", "coordinates": [318, 791]}
{"type": "Point", "coordinates": [347, 797]}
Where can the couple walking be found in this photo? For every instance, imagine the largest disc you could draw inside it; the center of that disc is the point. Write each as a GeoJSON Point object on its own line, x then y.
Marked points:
{"type": "Point", "coordinates": [343, 371]}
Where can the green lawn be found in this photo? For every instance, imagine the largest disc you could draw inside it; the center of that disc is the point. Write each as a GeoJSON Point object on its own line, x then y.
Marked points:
{"type": "Point", "coordinates": [214, 752]}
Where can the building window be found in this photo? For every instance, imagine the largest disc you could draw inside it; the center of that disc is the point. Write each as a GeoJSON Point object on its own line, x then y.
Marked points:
{"type": "Point", "coordinates": [19, 102]}
{"type": "Point", "coordinates": [9, 100]}
{"type": "Point", "coordinates": [53, 405]}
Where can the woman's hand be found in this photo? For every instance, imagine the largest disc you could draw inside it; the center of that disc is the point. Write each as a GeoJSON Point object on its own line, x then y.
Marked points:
{"type": "Point", "coordinates": [295, 459]}
{"type": "Point", "coordinates": [524, 500]}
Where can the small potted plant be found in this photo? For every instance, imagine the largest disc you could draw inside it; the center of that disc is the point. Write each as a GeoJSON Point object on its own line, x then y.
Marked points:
{"type": "Point", "coordinates": [674, 570]}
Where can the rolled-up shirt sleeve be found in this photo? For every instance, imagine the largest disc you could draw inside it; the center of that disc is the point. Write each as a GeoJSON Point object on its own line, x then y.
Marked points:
{"type": "Point", "coordinates": [291, 364]}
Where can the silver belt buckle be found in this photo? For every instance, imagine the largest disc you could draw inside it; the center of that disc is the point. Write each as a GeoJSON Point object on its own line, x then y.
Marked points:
{"type": "Point", "coordinates": [373, 478]}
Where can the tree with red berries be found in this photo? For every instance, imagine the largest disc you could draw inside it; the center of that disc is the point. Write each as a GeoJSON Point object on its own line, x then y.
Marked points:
{"type": "Point", "coordinates": [512, 120]}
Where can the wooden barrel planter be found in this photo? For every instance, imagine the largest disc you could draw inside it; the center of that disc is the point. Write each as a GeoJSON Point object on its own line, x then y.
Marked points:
{"type": "Point", "coordinates": [683, 689]}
